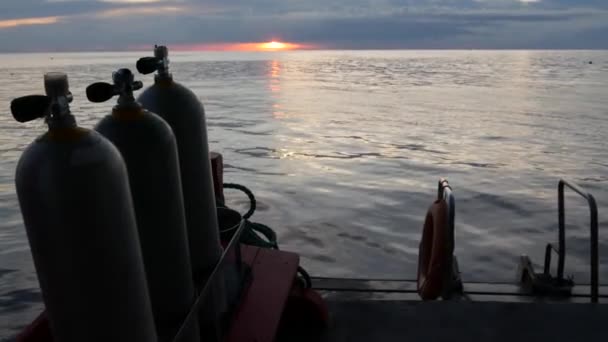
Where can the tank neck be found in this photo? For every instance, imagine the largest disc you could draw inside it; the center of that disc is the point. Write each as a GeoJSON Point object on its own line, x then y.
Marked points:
{"type": "Point", "coordinates": [125, 84]}
{"type": "Point", "coordinates": [128, 112]}
{"type": "Point", "coordinates": [163, 78]}
{"type": "Point", "coordinates": [126, 99]}
{"type": "Point", "coordinates": [57, 88]}
{"type": "Point", "coordinates": [161, 53]}
{"type": "Point", "coordinates": [64, 121]}
{"type": "Point", "coordinates": [60, 116]}
{"type": "Point", "coordinates": [126, 102]}
{"type": "Point", "coordinates": [132, 106]}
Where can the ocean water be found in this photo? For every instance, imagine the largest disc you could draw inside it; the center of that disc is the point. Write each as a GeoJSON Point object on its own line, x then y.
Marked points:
{"type": "Point", "coordinates": [343, 150]}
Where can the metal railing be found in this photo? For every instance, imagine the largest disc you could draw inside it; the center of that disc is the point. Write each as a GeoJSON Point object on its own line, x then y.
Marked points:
{"type": "Point", "coordinates": [444, 191]}
{"type": "Point", "coordinates": [561, 250]}
{"type": "Point", "coordinates": [451, 279]}
{"type": "Point", "coordinates": [231, 255]}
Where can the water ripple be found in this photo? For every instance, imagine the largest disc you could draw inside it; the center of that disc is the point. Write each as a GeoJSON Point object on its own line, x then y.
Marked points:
{"type": "Point", "coordinates": [343, 150]}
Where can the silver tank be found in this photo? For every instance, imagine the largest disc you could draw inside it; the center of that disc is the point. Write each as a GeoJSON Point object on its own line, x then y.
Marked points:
{"type": "Point", "coordinates": [185, 114]}
{"type": "Point", "coordinates": [183, 111]}
{"type": "Point", "coordinates": [74, 196]}
{"type": "Point", "coordinates": [148, 147]}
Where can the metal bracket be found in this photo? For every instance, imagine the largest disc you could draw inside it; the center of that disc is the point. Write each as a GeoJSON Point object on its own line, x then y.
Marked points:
{"type": "Point", "coordinates": [452, 281]}
{"type": "Point", "coordinates": [544, 283]}
{"type": "Point", "coordinates": [231, 258]}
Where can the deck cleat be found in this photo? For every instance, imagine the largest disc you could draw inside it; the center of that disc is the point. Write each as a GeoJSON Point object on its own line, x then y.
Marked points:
{"type": "Point", "coordinates": [542, 284]}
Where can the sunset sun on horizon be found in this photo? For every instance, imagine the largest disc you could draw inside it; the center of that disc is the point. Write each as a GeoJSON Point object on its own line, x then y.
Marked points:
{"type": "Point", "coordinates": [273, 45]}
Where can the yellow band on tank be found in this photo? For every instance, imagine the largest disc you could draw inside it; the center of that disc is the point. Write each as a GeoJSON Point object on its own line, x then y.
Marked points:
{"type": "Point", "coordinates": [127, 113]}
{"type": "Point", "coordinates": [65, 134]}
{"type": "Point", "coordinates": [164, 82]}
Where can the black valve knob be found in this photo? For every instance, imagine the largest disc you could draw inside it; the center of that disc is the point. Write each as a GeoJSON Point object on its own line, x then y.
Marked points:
{"type": "Point", "coordinates": [147, 65]}
{"type": "Point", "coordinates": [123, 85]}
{"type": "Point", "coordinates": [101, 92]}
{"type": "Point", "coordinates": [160, 63]}
{"type": "Point", "coordinates": [54, 106]}
{"type": "Point", "coordinates": [31, 107]}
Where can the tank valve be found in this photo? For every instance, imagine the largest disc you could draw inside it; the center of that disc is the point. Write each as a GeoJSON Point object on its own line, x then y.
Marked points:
{"type": "Point", "coordinates": [124, 86]}
{"type": "Point", "coordinates": [160, 62]}
{"type": "Point", "coordinates": [54, 106]}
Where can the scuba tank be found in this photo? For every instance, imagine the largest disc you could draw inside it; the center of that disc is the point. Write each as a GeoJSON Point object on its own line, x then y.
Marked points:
{"type": "Point", "coordinates": [148, 147]}
{"type": "Point", "coordinates": [183, 111]}
{"type": "Point", "coordinates": [76, 204]}
{"type": "Point", "coordinates": [185, 114]}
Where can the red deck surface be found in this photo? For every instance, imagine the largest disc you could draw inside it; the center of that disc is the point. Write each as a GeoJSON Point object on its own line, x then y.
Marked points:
{"type": "Point", "coordinates": [259, 315]}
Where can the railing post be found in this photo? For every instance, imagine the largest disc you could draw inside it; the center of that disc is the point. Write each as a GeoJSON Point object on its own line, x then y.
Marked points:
{"type": "Point", "coordinates": [594, 236]}
{"type": "Point", "coordinates": [594, 250]}
{"type": "Point", "coordinates": [562, 231]}
{"type": "Point", "coordinates": [451, 279]}
{"type": "Point", "coordinates": [547, 268]}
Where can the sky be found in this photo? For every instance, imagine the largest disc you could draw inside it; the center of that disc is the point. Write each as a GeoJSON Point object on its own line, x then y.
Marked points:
{"type": "Point", "coordinates": [86, 25]}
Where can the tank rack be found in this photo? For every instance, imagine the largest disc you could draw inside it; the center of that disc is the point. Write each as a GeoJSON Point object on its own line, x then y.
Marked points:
{"type": "Point", "coordinates": [229, 266]}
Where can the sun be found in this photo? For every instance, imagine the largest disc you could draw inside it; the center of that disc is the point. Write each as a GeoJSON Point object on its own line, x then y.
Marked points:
{"type": "Point", "coordinates": [273, 45]}
{"type": "Point", "coordinates": [268, 46]}
{"type": "Point", "coordinates": [276, 46]}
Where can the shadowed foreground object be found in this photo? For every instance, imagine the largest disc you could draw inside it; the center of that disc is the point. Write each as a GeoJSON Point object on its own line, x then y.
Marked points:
{"type": "Point", "coordinates": [76, 204]}
{"type": "Point", "coordinates": [275, 308]}
{"type": "Point", "coordinates": [255, 295]}
{"type": "Point", "coordinates": [148, 148]}
{"type": "Point", "coordinates": [386, 320]}
{"type": "Point", "coordinates": [185, 114]}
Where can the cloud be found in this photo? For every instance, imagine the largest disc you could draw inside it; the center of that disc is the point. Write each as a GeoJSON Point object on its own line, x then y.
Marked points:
{"type": "Point", "coordinates": [133, 1]}
{"type": "Point", "coordinates": [17, 9]}
{"type": "Point", "coordinates": [116, 24]}
{"type": "Point", "coordinates": [28, 21]}
{"type": "Point", "coordinates": [129, 11]}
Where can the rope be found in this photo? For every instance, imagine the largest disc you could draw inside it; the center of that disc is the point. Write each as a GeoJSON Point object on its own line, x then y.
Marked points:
{"type": "Point", "coordinates": [251, 235]}
{"type": "Point", "coordinates": [260, 235]}
{"type": "Point", "coordinates": [249, 194]}
{"type": "Point", "coordinates": [305, 278]}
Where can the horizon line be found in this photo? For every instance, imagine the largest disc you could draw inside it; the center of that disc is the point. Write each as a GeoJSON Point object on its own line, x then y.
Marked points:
{"type": "Point", "coordinates": [141, 49]}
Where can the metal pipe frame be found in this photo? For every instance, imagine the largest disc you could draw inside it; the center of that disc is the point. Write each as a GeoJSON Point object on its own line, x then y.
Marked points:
{"type": "Point", "coordinates": [233, 247]}
{"type": "Point", "coordinates": [594, 236]}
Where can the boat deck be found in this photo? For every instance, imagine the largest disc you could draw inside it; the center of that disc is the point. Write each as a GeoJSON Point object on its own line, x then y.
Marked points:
{"type": "Point", "coordinates": [465, 321]}
{"type": "Point", "coordinates": [390, 310]}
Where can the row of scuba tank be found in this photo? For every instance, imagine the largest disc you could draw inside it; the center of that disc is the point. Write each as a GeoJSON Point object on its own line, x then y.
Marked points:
{"type": "Point", "coordinates": [121, 220]}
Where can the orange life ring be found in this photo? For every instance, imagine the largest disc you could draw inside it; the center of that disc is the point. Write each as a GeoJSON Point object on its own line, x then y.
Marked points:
{"type": "Point", "coordinates": [433, 252]}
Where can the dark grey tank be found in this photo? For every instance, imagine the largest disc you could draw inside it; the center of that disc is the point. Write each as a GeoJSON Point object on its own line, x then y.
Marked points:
{"type": "Point", "coordinates": [74, 195]}
{"type": "Point", "coordinates": [183, 111]}
{"type": "Point", "coordinates": [148, 147]}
